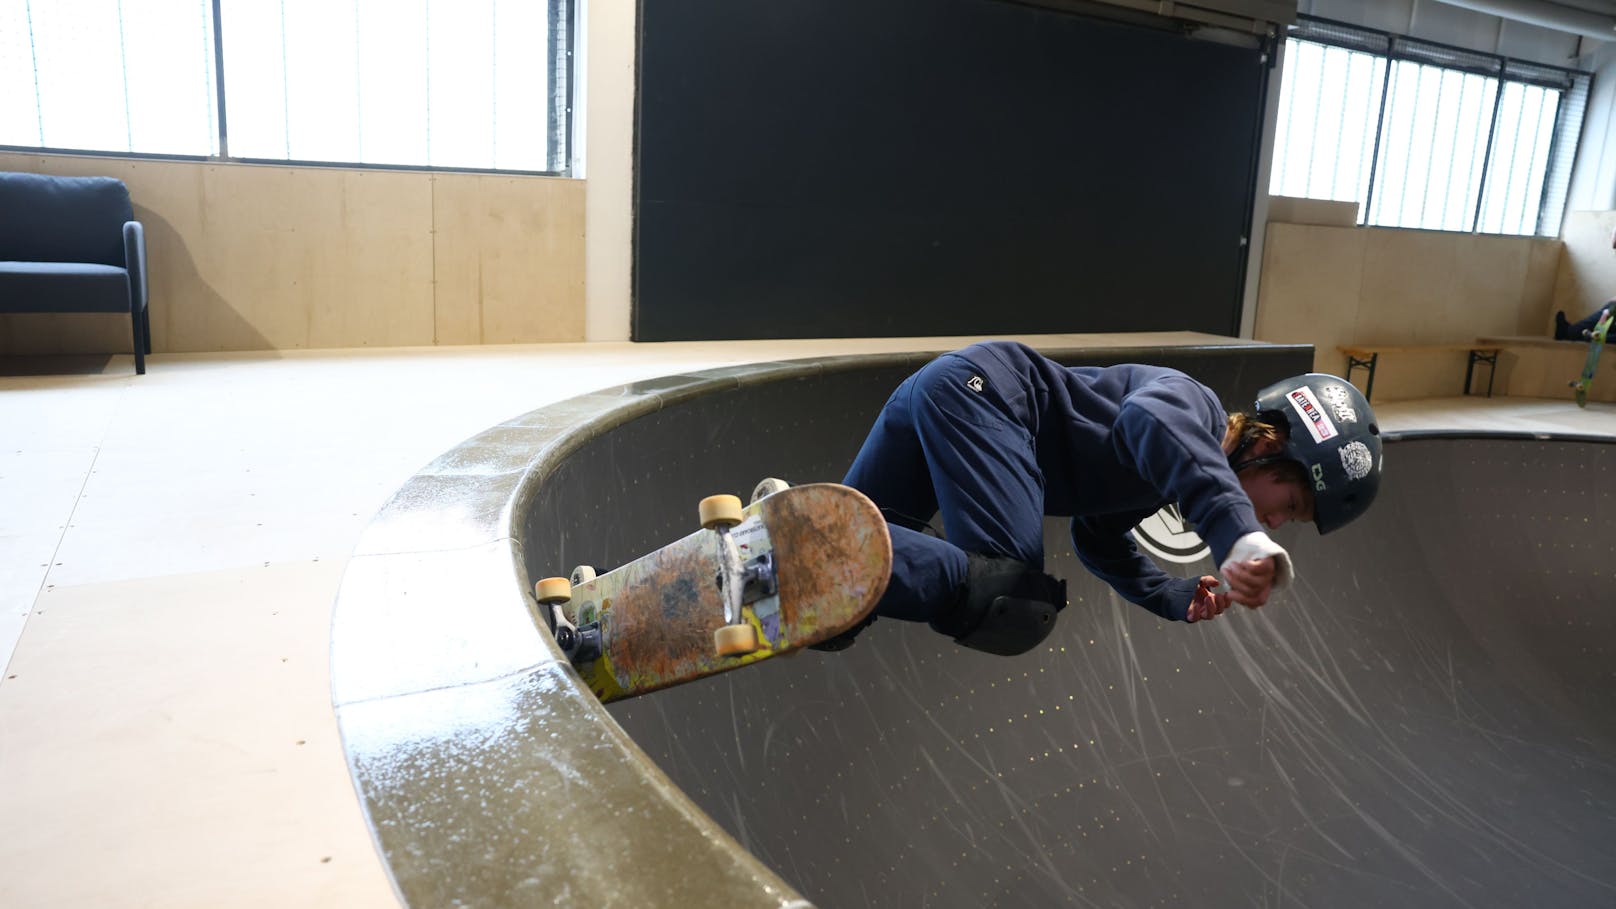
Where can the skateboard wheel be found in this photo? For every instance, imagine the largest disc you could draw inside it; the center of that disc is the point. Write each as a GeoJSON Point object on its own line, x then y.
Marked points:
{"type": "Point", "coordinates": [583, 574]}
{"type": "Point", "coordinates": [553, 590]}
{"type": "Point", "coordinates": [735, 640]}
{"type": "Point", "coordinates": [768, 486]}
{"type": "Point", "coordinates": [720, 511]}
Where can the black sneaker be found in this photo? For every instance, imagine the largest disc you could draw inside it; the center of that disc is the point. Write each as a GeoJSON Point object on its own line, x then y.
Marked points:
{"type": "Point", "coordinates": [843, 640]}
{"type": "Point", "coordinates": [1562, 328]}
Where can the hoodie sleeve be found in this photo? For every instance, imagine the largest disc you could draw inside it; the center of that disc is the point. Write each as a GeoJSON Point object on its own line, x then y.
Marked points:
{"type": "Point", "coordinates": [1171, 432]}
{"type": "Point", "coordinates": [1103, 544]}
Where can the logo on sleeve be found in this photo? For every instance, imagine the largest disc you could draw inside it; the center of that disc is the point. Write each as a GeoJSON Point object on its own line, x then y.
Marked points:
{"type": "Point", "coordinates": [1167, 535]}
{"type": "Point", "coordinates": [974, 383]}
{"type": "Point", "coordinates": [1313, 416]}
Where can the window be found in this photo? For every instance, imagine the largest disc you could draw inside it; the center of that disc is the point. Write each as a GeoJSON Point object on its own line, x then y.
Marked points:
{"type": "Point", "coordinates": [1424, 135]}
{"type": "Point", "coordinates": [100, 75]}
{"type": "Point", "coordinates": [1325, 135]}
{"type": "Point", "coordinates": [473, 84]}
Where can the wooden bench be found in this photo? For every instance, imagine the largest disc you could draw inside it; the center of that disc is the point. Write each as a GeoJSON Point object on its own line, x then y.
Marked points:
{"type": "Point", "coordinates": [1533, 341]}
{"type": "Point", "coordinates": [1367, 356]}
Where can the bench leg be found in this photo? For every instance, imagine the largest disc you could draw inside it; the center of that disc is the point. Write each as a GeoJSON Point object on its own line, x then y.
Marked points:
{"type": "Point", "coordinates": [1492, 369]}
{"type": "Point", "coordinates": [1354, 363]}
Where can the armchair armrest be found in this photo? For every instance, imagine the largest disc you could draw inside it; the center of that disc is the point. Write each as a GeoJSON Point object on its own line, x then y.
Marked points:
{"type": "Point", "coordinates": [134, 257]}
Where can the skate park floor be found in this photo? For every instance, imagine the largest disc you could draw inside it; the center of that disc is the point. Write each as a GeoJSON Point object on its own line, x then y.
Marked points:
{"type": "Point", "coordinates": [172, 546]}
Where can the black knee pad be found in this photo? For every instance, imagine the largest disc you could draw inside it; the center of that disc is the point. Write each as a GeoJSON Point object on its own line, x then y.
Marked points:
{"type": "Point", "coordinates": [1005, 607]}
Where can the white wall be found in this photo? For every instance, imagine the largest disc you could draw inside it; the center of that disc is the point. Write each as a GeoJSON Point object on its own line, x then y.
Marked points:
{"type": "Point", "coordinates": [608, 35]}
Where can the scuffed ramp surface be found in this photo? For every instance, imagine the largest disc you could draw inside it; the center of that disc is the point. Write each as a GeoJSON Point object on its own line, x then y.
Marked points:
{"type": "Point", "coordinates": [1425, 720]}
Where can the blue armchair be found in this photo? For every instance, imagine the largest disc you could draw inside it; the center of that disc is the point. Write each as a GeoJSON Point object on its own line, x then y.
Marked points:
{"type": "Point", "coordinates": [72, 244]}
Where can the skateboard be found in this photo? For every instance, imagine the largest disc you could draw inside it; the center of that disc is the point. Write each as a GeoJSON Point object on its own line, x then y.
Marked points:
{"type": "Point", "coordinates": [795, 567]}
{"type": "Point", "coordinates": [1595, 345]}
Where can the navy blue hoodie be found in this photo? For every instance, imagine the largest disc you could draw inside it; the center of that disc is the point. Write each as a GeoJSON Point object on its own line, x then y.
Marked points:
{"type": "Point", "coordinates": [1115, 444]}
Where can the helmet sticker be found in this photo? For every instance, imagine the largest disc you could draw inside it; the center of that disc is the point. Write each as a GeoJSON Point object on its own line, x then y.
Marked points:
{"type": "Point", "coordinates": [1356, 460]}
{"type": "Point", "coordinates": [1318, 424]}
{"type": "Point", "coordinates": [1340, 403]}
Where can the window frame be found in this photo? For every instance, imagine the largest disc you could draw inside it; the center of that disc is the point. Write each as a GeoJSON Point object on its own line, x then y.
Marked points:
{"type": "Point", "coordinates": [1573, 86]}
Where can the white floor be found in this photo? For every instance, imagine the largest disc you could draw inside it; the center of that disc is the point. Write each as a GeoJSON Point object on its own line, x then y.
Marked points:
{"type": "Point", "coordinates": [170, 546]}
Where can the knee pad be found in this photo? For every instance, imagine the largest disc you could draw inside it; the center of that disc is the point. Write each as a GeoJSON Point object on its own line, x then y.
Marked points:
{"type": "Point", "coordinates": [1005, 607]}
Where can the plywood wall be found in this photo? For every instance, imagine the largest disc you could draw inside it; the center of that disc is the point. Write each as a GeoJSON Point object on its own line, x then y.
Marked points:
{"type": "Point", "coordinates": [1588, 270]}
{"type": "Point", "coordinates": [264, 257]}
{"type": "Point", "coordinates": [1330, 286]}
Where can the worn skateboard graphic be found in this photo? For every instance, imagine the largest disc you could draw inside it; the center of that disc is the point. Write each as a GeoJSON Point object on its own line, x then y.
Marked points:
{"type": "Point", "coordinates": [1595, 345]}
{"type": "Point", "coordinates": [793, 568]}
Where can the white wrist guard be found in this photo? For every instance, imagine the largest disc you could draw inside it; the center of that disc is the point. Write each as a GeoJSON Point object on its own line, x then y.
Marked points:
{"type": "Point", "coordinates": [1260, 546]}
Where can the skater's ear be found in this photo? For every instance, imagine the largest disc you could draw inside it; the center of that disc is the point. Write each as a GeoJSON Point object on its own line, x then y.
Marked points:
{"type": "Point", "coordinates": [1264, 447]}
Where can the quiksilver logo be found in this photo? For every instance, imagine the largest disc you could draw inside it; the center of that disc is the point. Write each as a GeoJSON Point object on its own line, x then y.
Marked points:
{"type": "Point", "coordinates": [974, 383]}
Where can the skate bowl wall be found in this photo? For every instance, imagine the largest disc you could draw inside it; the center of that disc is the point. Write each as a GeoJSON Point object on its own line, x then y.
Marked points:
{"type": "Point", "coordinates": [1423, 720]}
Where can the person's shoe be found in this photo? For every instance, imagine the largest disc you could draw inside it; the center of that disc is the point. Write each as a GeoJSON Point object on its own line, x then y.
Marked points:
{"type": "Point", "coordinates": [1562, 328]}
{"type": "Point", "coordinates": [845, 639]}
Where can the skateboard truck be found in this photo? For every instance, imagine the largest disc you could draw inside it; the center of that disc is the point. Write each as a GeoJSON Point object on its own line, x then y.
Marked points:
{"type": "Point", "coordinates": [581, 645]}
{"type": "Point", "coordinates": [759, 579]}
{"type": "Point", "coordinates": [757, 582]}
{"type": "Point", "coordinates": [735, 637]}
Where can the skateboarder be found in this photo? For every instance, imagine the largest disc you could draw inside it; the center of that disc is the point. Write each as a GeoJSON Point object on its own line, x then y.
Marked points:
{"type": "Point", "coordinates": [1582, 329]}
{"type": "Point", "coordinates": [995, 436]}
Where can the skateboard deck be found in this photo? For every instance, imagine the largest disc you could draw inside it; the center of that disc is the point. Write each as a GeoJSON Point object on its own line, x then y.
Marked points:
{"type": "Point", "coordinates": [816, 559]}
{"type": "Point", "coordinates": [1595, 345]}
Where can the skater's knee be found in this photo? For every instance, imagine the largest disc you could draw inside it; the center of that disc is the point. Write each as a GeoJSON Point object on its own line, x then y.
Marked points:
{"type": "Point", "coordinates": [1005, 606]}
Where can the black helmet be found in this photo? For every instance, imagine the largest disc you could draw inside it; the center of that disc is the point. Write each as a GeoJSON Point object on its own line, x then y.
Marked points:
{"type": "Point", "coordinates": [1334, 436]}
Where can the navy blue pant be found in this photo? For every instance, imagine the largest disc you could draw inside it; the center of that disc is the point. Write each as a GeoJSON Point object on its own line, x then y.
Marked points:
{"type": "Point", "coordinates": [947, 442]}
{"type": "Point", "coordinates": [1582, 328]}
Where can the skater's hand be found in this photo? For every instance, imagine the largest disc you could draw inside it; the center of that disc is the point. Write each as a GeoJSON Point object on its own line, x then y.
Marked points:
{"type": "Point", "coordinates": [1250, 582]}
{"type": "Point", "coordinates": [1206, 604]}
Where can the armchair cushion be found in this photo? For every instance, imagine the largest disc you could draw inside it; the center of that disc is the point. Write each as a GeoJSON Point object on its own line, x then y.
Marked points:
{"type": "Point", "coordinates": [63, 287]}
{"type": "Point", "coordinates": [63, 219]}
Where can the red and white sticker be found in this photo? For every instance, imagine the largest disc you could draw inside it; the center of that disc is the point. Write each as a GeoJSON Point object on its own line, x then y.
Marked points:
{"type": "Point", "coordinates": [1318, 423]}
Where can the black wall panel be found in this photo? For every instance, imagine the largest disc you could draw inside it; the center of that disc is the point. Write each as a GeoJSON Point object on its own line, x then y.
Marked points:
{"type": "Point", "coordinates": [837, 168]}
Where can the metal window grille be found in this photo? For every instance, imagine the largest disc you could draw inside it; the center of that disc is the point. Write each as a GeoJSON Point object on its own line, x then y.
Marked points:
{"type": "Point", "coordinates": [1459, 140]}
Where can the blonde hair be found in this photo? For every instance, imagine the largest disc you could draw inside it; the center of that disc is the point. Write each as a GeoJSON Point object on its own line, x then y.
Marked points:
{"type": "Point", "coordinates": [1244, 429]}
